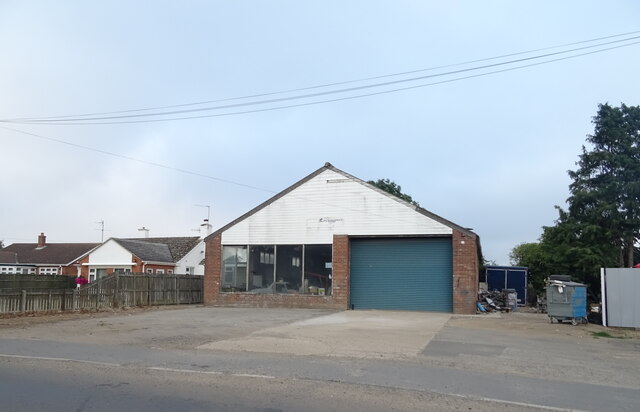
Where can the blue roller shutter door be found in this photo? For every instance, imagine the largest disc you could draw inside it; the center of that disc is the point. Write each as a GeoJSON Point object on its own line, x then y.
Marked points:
{"type": "Point", "coordinates": [402, 274]}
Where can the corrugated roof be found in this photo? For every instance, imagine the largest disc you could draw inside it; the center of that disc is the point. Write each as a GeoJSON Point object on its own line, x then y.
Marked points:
{"type": "Point", "coordinates": [50, 254]}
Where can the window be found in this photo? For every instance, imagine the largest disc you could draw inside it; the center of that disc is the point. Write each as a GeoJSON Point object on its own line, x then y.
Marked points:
{"type": "Point", "coordinates": [261, 267]}
{"type": "Point", "coordinates": [317, 269]}
{"type": "Point", "coordinates": [288, 266]}
{"type": "Point", "coordinates": [159, 271]}
{"type": "Point", "coordinates": [234, 273]}
{"type": "Point", "coordinates": [302, 269]}
{"type": "Point", "coordinates": [48, 271]}
{"type": "Point", "coordinates": [169, 271]}
{"type": "Point", "coordinates": [150, 271]}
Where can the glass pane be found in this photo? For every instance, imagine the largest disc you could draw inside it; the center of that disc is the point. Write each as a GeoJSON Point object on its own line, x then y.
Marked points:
{"type": "Point", "coordinates": [261, 260]}
{"type": "Point", "coordinates": [317, 269]}
{"type": "Point", "coordinates": [288, 269]}
{"type": "Point", "coordinates": [229, 254]}
{"type": "Point", "coordinates": [234, 268]}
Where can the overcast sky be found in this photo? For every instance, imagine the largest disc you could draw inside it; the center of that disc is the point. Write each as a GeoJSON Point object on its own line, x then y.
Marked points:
{"type": "Point", "coordinates": [488, 152]}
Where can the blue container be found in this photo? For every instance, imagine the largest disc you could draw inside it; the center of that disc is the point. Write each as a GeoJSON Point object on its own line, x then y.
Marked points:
{"type": "Point", "coordinates": [509, 277]}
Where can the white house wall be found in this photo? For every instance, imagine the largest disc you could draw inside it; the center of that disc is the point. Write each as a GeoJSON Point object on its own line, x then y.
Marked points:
{"type": "Point", "coordinates": [192, 259]}
{"type": "Point", "coordinates": [329, 204]}
{"type": "Point", "coordinates": [110, 253]}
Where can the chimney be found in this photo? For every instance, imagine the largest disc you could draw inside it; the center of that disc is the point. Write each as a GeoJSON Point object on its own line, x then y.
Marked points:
{"type": "Point", "coordinates": [42, 241]}
{"type": "Point", "coordinates": [207, 226]}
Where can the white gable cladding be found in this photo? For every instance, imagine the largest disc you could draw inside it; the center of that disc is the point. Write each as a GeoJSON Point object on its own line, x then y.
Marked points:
{"type": "Point", "coordinates": [110, 253]}
{"type": "Point", "coordinates": [192, 259]}
{"type": "Point", "coordinates": [330, 203]}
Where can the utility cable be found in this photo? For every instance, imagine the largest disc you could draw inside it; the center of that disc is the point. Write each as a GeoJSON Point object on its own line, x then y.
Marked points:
{"type": "Point", "coordinates": [336, 83]}
{"type": "Point", "coordinates": [92, 120]}
{"type": "Point", "coordinates": [192, 173]}
{"type": "Point", "coordinates": [332, 100]}
{"type": "Point", "coordinates": [147, 162]}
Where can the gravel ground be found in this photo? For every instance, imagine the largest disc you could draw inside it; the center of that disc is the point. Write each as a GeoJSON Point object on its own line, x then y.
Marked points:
{"type": "Point", "coordinates": [167, 327]}
{"type": "Point", "coordinates": [526, 344]}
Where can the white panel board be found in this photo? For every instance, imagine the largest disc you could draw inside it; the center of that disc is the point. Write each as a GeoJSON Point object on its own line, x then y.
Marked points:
{"type": "Point", "coordinates": [192, 259]}
{"type": "Point", "coordinates": [622, 289]}
{"type": "Point", "coordinates": [331, 203]}
{"type": "Point", "coordinates": [109, 253]}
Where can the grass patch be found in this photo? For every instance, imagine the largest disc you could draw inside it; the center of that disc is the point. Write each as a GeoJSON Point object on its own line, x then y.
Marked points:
{"type": "Point", "coordinates": [605, 335]}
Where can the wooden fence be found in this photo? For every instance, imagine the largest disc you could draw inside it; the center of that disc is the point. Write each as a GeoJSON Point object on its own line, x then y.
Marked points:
{"type": "Point", "coordinates": [20, 282]}
{"type": "Point", "coordinates": [113, 291]}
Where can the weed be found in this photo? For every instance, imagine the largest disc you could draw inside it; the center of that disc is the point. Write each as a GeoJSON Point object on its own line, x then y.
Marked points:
{"type": "Point", "coordinates": [606, 335]}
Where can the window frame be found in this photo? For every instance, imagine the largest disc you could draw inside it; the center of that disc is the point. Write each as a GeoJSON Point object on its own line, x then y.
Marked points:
{"type": "Point", "coordinates": [299, 262]}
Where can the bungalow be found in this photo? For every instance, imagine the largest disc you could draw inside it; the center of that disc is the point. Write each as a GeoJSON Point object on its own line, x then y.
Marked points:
{"type": "Point", "coordinates": [332, 240]}
{"type": "Point", "coordinates": [162, 255]}
{"type": "Point", "coordinates": [43, 258]}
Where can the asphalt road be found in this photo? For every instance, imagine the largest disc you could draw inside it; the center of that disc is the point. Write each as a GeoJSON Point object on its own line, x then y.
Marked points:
{"type": "Point", "coordinates": [106, 365]}
{"type": "Point", "coordinates": [46, 385]}
{"type": "Point", "coordinates": [151, 361]}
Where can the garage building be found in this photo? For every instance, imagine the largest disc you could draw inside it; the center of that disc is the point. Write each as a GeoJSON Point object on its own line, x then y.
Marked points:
{"type": "Point", "coordinates": [332, 240]}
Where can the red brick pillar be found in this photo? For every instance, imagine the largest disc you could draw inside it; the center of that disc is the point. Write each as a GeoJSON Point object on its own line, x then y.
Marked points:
{"type": "Point", "coordinates": [340, 272]}
{"type": "Point", "coordinates": [212, 269]}
{"type": "Point", "coordinates": [465, 272]}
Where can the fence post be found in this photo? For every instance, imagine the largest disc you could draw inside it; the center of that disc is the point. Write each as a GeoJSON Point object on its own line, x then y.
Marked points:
{"type": "Point", "coordinates": [177, 290]}
{"type": "Point", "coordinates": [149, 290]}
{"type": "Point", "coordinates": [74, 303]}
{"type": "Point", "coordinates": [116, 290]}
{"type": "Point", "coordinates": [23, 301]}
{"type": "Point", "coordinates": [63, 304]}
{"type": "Point", "coordinates": [97, 293]}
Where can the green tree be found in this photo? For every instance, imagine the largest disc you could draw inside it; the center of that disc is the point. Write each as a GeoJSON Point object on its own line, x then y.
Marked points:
{"type": "Point", "coordinates": [390, 186]}
{"type": "Point", "coordinates": [601, 224]}
{"type": "Point", "coordinates": [604, 205]}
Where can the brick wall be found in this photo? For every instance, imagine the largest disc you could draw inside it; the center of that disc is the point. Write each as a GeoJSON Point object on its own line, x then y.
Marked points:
{"type": "Point", "coordinates": [465, 273]}
{"type": "Point", "coordinates": [84, 270]}
{"type": "Point", "coordinates": [212, 270]}
{"type": "Point", "coordinates": [340, 272]}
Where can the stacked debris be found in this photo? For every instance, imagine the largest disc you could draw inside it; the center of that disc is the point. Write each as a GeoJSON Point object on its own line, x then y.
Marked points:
{"type": "Point", "coordinates": [493, 301]}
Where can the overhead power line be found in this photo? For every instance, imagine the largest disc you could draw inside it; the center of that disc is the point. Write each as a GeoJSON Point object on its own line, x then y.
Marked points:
{"type": "Point", "coordinates": [147, 162]}
{"type": "Point", "coordinates": [190, 172]}
{"type": "Point", "coordinates": [358, 96]}
{"type": "Point", "coordinates": [334, 83]}
{"type": "Point", "coordinates": [153, 117]}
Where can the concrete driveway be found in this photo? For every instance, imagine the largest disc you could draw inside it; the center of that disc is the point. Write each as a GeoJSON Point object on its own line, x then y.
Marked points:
{"type": "Point", "coordinates": [356, 334]}
{"type": "Point", "coordinates": [359, 334]}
